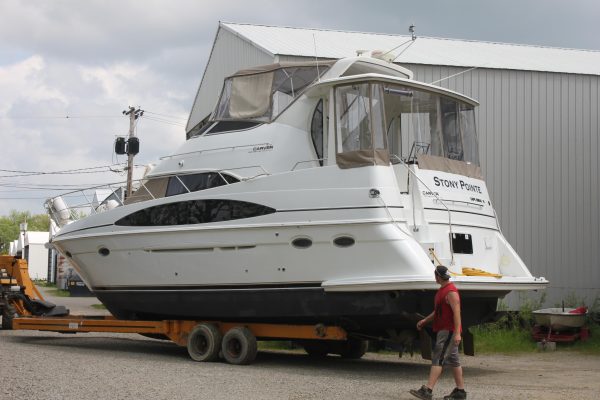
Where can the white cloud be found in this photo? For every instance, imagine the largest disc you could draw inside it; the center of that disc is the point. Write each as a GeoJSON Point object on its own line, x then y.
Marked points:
{"type": "Point", "coordinates": [42, 138]}
{"type": "Point", "coordinates": [94, 58]}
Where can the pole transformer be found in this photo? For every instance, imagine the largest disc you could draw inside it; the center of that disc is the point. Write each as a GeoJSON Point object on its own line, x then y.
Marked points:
{"type": "Point", "coordinates": [133, 114]}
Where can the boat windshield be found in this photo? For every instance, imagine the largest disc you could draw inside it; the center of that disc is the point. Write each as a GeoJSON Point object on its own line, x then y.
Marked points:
{"type": "Point", "coordinates": [263, 93]}
{"type": "Point", "coordinates": [407, 121]}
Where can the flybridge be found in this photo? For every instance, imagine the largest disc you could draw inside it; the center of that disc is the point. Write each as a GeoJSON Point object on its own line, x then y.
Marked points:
{"type": "Point", "coordinates": [456, 184]}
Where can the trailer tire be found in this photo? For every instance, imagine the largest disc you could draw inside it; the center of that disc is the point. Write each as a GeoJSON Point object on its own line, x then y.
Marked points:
{"type": "Point", "coordinates": [8, 313]}
{"type": "Point", "coordinates": [316, 348]}
{"type": "Point", "coordinates": [204, 342]}
{"type": "Point", "coordinates": [352, 349]}
{"type": "Point", "coordinates": [239, 346]}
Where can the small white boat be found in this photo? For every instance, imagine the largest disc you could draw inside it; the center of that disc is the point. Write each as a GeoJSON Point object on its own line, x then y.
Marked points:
{"type": "Point", "coordinates": [560, 317]}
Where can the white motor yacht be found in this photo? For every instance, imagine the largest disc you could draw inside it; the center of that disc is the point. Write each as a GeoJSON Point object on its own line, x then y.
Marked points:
{"type": "Point", "coordinates": [318, 192]}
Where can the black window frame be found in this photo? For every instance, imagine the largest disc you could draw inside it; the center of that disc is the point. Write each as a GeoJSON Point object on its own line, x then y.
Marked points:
{"type": "Point", "coordinates": [314, 131]}
{"type": "Point", "coordinates": [191, 212]}
{"type": "Point", "coordinates": [182, 184]}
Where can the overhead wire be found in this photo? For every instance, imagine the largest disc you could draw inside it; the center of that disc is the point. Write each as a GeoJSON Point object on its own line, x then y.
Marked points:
{"type": "Point", "coordinates": [164, 115]}
{"type": "Point", "coordinates": [58, 116]}
{"type": "Point", "coordinates": [164, 121]}
{"type": "Point", "coordinates": [88, 170]}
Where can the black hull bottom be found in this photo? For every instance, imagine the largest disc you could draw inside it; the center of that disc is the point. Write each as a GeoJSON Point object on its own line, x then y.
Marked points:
{"type": "Point", "coordinates": [360, 312]}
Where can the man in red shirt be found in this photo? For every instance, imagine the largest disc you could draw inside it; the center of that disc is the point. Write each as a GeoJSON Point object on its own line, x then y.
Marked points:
{"type": "Point", "coordinates": [447, 329]}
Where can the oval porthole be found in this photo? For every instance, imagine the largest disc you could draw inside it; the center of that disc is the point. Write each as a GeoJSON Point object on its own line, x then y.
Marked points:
{"type": "Point", "coordinates": [343, 241]}
{"type": "Point", "coordinates": [302, 243]}
{"type": "Point", "coordinates": [103, 251]}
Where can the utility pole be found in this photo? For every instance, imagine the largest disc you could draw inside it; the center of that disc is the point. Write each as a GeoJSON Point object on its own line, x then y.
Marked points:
{"type": "Point", "coordinates": [132, 144]}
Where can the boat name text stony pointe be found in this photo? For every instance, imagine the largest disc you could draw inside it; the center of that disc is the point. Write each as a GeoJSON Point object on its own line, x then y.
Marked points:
{"type": "Point", "coordinates": [456, 184]}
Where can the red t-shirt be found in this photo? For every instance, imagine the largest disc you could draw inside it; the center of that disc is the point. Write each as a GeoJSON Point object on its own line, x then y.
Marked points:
{"type": "Point", "coordinates": [443, 319]}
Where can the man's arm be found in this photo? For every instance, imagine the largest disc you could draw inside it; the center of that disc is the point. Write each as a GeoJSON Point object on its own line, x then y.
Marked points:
{"type": "Point", "coordinates": [425, 320]}
{"type": "Point", "coordinates": [454, 302]}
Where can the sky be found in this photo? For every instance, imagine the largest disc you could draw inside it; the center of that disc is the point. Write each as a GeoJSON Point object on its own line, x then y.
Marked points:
{"type": "Point", "coordinates": [69, 68]}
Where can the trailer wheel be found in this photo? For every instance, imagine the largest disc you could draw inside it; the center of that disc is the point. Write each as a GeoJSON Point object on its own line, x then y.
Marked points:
{"type": "Point", "coordinates": [239, 346]}
{"type": "Point", "coordinates": [316, 348]}
{"type": "Point", "coordinates": [204, 342]}
{"type": "Point", "coordinates": [352, 348]}
{"type": "Point", "coordinates": [8, 313]}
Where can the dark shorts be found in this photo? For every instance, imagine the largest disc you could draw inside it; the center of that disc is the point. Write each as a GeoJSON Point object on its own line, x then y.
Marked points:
{"type": "Point", "coordinates": [445, 352]}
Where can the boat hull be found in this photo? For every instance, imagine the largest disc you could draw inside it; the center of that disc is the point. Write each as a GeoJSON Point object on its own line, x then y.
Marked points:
{"type": "Point", "coordinates": [559, 318]}
{"type": "Point", "coordinates": [363, 312]}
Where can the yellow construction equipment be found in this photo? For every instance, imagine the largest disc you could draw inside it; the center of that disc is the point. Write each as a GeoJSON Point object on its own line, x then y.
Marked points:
{"type": "Point", "coordinates": [18, 294]}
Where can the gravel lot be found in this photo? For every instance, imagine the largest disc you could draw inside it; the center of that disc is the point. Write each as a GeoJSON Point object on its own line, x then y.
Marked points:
{"type": "Point", "coordinates": [42, 365]}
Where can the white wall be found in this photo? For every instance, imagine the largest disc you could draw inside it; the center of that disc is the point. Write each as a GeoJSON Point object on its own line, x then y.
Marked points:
{"type": "Point", "coordinates": [38, 261]}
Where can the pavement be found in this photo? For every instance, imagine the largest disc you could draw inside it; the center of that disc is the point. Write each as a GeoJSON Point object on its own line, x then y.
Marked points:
{"type": "Point", "coordinates": [48, 366]}
{"type": "Point", "coordinates": [76, 305]}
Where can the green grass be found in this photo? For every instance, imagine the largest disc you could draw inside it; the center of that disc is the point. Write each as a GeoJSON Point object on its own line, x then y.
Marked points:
{"type": "Point", "coordinates": [44, 284]}
{"type": "Point", "coordinates": [493, 338]}
{"type": "Point", "coordinates": [590, 346]}
{"type": "Point", "coordinates": [53, 290]}
{"type": "Point", "coordinates": [99, 306]}
{"type": "Point", "coordinates": [58, 293]}
{"type": "Point", "coordinates": [276, 345]}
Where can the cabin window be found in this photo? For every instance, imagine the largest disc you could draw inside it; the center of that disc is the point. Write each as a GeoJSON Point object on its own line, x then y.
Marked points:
{"type": "Point", "coordinates": [261, 94]}
{"type": "Point", "coordinates": [153, 188]}
{"type": "Point", "coordinates": [316, 131]}
{"type": "Point", "coordinates": [354, 123]}
{"type": "Point", "coordinates": [360, 117]}
{"type": "Point", "coordinates": [469, 134]}
{"type": "Point", "coordinates": [453, 148]}
{"type": "Point", "coordinates": [421, 122]}
{"type": "Point", "coordinates": [360, 125]}
{"type": "Point", "coordinates": [228, 126]}
{"type": "Point", "coordinates": [194, 182]}
{"type": "Point", "coordinates": [194, 212]}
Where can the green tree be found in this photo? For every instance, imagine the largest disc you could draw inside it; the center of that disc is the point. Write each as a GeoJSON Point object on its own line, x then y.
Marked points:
{"type": "Point", "coordinates": [9, 226]}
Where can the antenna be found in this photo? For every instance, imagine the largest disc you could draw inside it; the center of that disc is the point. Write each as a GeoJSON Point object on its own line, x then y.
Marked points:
{"type": "Point", "coordinates": [316, 58]}
{"type": "Point", "coordinates": [411, 30]}
{"type": "Point", "coordinates": [413, 38]}
{"type": "Point", "coordinates": [457, 74]}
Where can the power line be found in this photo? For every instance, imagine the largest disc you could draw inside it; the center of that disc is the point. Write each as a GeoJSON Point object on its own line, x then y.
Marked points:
{"type": "Point", "coordinates": [54, 186]}
{"type": "Point", "coordinates": [58, 116]}
{"type": "Point", "coordinates": [164, 115]}
{"type": "Point", "coordinates": [164, 121]}
{"type": "Point", "coordinates": [66, 170]}
{"type": "Point", "coordinates": [88, 170]}
{"type": "Point", "coordinates": [33, 198]}
{"type": "Point", "coordinates": [57, 173]}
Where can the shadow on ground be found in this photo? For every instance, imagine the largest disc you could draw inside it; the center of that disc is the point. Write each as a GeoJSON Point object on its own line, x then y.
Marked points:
{"type": "Point", "coordinates": [388, 368]}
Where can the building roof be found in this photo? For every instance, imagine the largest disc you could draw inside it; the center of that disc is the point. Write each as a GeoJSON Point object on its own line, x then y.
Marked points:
{"type": "Point", "coordinates": [33, 237]}
{"type": "Point", "coordinates": [424, 50]}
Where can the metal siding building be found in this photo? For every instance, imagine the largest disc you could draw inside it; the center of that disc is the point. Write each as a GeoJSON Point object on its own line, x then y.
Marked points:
{"type": "Point", "coordinates": [538, 130]}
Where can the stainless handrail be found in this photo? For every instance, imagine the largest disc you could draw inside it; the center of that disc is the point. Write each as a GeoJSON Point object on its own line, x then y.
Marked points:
{"type": "Point", "coordinates": [469, 203]}
{"type": "Point", "coordinates": [437, 198]}
{"type": "Point", "coordinates": [307, 161]}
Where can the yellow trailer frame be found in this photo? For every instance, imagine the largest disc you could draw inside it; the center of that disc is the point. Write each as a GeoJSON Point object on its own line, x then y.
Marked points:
{"type": "Point", "coordinates": [176, 330]}
{"type": "Point", "coordinates": [205, 340]}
